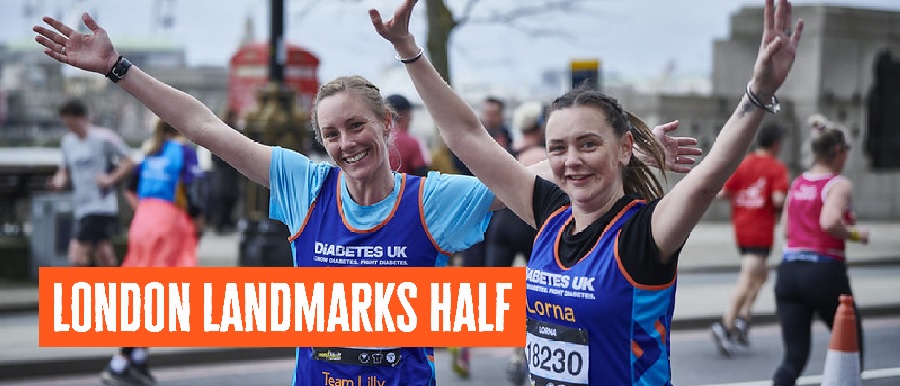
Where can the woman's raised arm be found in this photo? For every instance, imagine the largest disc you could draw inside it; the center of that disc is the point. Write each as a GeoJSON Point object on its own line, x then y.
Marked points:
{"type": "Point", "coordinates": [94, 52]}
{"type": "Point", "coordinates": [681, 209]}
{"type": "Point", "coordinates": [459, 126]}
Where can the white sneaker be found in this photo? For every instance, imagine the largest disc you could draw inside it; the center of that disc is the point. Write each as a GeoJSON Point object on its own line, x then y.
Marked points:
{"type": "Point", "coordinates": [722, 339]}
{"type": "Point", "coordinates": [741, 332]}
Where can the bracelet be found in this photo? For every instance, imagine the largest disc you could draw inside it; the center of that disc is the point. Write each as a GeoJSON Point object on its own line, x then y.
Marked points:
{"type": "Point", "coordinates": [773, 106]}
{"type": "Point", "coordinates": [412, 59]}
{"type": "Point", "coordinates": [119, 69]}
{"type": "Point", "coordinates": [855, 235]}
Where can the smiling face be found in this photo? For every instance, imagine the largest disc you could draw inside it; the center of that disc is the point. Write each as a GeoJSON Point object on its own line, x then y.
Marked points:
{"type": "Point", "coordinates": [587, 156]}
{"type": "Point", "coordinates": [353, 135]}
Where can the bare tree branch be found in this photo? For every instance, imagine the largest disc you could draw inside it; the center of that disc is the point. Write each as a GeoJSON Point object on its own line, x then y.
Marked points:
{"type": "Point", "coordinates": [537, 32]}
{"type": "Point", "coordinates": [466, 12]}
{"type": "Point", "coordinates": [528, 11]}
{"type": "Point", "coordinates": [309, 5]}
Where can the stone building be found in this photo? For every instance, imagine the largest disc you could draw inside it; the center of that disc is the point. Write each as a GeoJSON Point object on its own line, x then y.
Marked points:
{"type": "Point", "coordinates": [833, 75]}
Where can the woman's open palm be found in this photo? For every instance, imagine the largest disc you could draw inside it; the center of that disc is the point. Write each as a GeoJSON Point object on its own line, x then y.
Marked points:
{"type": "Point", "coordinates": [92, 52]}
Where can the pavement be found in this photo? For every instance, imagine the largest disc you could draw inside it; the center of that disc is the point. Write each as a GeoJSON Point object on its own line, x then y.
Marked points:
{"type": "Point", "coordinates": [707, 275]}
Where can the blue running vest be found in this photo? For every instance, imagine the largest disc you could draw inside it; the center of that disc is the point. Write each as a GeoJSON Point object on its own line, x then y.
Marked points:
{"type": "Point", "coordinates": [591, 324]}
{"type": "Point", "coordinates": [327, 240]}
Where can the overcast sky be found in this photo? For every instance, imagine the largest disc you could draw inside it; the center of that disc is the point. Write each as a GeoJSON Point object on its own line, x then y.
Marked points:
{"type": "Point", "coordinates": [634, 39]}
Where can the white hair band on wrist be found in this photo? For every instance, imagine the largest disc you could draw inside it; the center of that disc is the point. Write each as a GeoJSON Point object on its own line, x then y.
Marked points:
{"type": "Point", "coordinates": [412, 59]}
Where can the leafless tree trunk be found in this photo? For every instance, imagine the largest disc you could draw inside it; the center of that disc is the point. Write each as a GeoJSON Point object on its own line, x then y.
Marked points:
{"type": "Point", "coordinates": [440, 25]}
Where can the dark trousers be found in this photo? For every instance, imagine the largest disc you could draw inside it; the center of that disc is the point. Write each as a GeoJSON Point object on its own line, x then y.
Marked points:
{"type": "Point", "coordinates": [802, 290]}
{"type": "Point", "coordinates": [506, 237]}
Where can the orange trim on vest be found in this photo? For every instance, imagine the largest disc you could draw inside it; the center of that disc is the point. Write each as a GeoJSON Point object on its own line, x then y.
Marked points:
{"type": "Point", "coordinates": [636, 349]}
{"type": "Point", "coordinates": [611, 222]}
{"type": "Point", "coordinates": [628, 277]}
{"type": "Point", "coordinates": [422, 217]}
{"type": "Point", "coordinates": [305, 220]}
{"type": "Point", "coordinates": [340, 206]}
{"type": "Point", "coordinates": [663, 333]}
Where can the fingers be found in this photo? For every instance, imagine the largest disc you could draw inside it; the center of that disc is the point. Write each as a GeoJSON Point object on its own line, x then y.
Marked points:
{"type": "Point", "coordinates": [773, 47]}
{"type": "Point", "coordinates": [50, 48]}
{"type": "Point", "coordinates": [685, 160]}
{"type": "Point", "coordinates": [49, 35]}
{"type": "Point", "coordinates": [769, 15]}
{"type": "Point", "coordinates": [53, 40]}
{"type": "Point", "coordinates": [783, 12]}
{"type": "Point", "coordinates": [376, 17]}
{"type": "Point", "coordinates": [679, 168]}
{"type": "Point", "coordinates": [58, 25]}
{"type": "Point", "coordinates": [795, 38]}
{"type": "Point", "coordinates": [685, 141]}
{"type": "Point", "coordinates": [685, 150]}
{"type": "Point", "coordinates": [44, 41]}
{"type": "Point", "coordinates": [778, 18]}
{"type": "Point", "coordinates": [377, 22]}
{"type": "Point", "coordinates": [90, 22]}
{"type": "Point", "coordinates": [669, 126]}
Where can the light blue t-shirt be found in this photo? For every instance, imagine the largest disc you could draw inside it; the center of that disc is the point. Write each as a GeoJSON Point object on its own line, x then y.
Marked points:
{"type": "Point", "coordinates": [86, 159]}
{"type": "Point", "coordinates": [457, 208]}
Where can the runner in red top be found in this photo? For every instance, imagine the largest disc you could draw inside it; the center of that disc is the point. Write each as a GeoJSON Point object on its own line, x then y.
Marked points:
{"type": "Point", "coordinates": [756, 190]}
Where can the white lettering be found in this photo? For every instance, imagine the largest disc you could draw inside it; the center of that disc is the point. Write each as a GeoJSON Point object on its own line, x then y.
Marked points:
{"type": "Point", "coordinates": [406, 291]}
{"type": "Point", "coordinates": [281, 299]}
{"type": "Point", "coordinates": [337, 313]}
{"type": "Point", "coordinates": [255, 306]}
{"type": "Point", "coordinates": [502, 305]}
{"type": "Point", "coordinates": [105, 307]}
{"type": "Point", "coordinates": [362, 299]}
{"type": "Point", "coordinates": [58, 325]}
{"type": "Point", "coordinates": [81, 317]}
{"type": "Point", "coordinates": [382, 308]}
{"type": "Point", "coordinates": [231, 310]}
{"type": "Point", "coordinates": [154, 322]}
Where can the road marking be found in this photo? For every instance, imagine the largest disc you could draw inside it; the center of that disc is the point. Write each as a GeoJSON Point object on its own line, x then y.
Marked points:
{"type": "Point", "coordinates": [817, 379]}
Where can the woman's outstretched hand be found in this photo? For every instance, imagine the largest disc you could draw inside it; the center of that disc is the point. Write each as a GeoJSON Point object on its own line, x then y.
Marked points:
{"type": "Point", "coordinates": [396, 30]}
{"type": "Point", "coordinates": [679, 150]}
{"type": "Point", "coordinates": [777, 49]}
{"type": "Point", "coordinates": [91, 52]}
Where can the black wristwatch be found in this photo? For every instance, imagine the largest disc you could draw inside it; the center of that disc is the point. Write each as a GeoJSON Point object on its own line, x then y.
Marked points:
{"type": "Point", "coordinates": [119, 69]}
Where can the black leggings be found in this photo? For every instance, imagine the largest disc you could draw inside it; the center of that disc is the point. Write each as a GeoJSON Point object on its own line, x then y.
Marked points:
{"type": "Point", "coordinates": [803, 289]}
{"type": "Point", "coordinates": [507, 236]}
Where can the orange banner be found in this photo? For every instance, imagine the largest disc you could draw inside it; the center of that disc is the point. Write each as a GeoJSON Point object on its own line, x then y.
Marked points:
{"type": "Point", "coordinates": [281, 307]}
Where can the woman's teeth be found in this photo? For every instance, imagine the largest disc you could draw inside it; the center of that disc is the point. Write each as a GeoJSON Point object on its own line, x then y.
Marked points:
{"type": "Point", "coordinates": [355, 158]}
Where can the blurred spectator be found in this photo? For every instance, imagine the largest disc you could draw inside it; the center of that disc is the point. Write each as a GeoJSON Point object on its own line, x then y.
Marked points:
{"type": "Point", "coordinates": [492, 113]}
{"type": "Point", "coordinates": [94, 159]}
{"type": "Point", "coordinates": [223, 187]}
{"type": "Point", "coordinates": [409, 153]}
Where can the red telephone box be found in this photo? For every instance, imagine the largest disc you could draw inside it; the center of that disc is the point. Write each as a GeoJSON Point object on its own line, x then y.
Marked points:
{"type": "Point", "coordinates": [249, 72]}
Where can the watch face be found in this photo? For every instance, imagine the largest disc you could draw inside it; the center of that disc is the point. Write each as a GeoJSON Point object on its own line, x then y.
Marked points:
{"type": "Point", "coordinates": [119, 69]}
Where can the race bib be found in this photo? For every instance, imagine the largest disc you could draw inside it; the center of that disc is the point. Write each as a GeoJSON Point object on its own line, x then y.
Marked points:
{"type": "Point", "coordinates": [556, 355]}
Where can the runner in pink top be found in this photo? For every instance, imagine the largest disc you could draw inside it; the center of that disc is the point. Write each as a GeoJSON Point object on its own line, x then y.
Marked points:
{"type": "Point", "coordinates": [813, 273]}
{"type": "Point", "coordinates": [808, 194]}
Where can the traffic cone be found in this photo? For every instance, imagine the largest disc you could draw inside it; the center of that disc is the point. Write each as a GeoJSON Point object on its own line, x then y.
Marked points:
{"type": "Point", "coordinates": [842, 360]}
